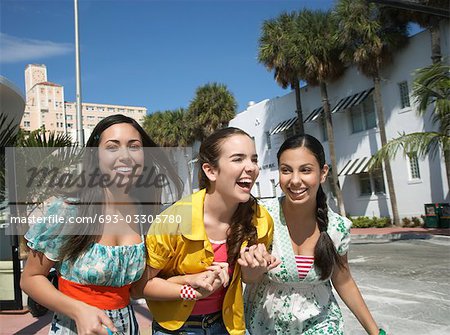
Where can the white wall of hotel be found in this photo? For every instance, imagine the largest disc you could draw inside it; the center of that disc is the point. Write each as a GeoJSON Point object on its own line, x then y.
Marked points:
{"type": "Point", "coordinates": [265, 117]}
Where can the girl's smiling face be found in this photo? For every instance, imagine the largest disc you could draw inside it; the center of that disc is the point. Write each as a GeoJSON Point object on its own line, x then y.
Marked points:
{"type": "Point", "coordinates": [300, 175]}
{"type": "Point", "coordinates": [237, 168]}
{"type": "Point", "coordinates": [121, 154]}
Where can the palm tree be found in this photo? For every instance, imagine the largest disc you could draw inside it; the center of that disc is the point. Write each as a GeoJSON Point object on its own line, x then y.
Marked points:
{"type": "Point", "coordinates": [424, 18]}
{"type": "Point", "coordinates": [431, 88]}
{"type": "Point", "coordinates": [51, 150]}
{"type": "Point", "coordinates": [320, 50]}
{"type": "Point", "coordinates": [8, 136]}
{"type": "Point", "coordinates": [170, 128]}
{"type": "Point", "coordinates": [370, 40]}
{"type": "Point", "coordinates": [212, 108]}
{"type": "Point", "coordinates": [279, 52]}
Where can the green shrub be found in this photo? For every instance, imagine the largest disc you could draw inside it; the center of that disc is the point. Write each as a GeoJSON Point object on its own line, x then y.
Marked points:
{"type": "Point", "coordinates": [406, 222]}
{"type": "Point", "coordinates": [366, 222]}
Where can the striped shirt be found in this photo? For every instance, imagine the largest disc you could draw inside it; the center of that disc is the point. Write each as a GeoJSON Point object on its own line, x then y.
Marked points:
{"type": "Point", "coordinates": [304, 264]}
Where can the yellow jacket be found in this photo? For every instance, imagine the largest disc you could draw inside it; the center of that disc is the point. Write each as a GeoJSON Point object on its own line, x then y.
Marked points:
{"type": "Point", "coordinates": [180, 246]}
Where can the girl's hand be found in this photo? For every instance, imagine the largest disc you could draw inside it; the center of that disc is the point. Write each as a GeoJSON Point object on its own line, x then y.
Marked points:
{"type": "Point", "coordinates": [92, 321]}
{"type": "Point", "coordinates": [207, 282]}
{"type": "Point", "coordinates": [255, 261]}
{"type": "Point", "coordinates": [222, 269]}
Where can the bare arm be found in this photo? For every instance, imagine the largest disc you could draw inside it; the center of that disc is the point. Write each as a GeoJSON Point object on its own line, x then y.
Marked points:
{"type": "Point", "coordinates": [34, 282]}
{"type": "Point", "coordinates": [154, 288]}
{"type": "Point", "coordinates": [348, 291]}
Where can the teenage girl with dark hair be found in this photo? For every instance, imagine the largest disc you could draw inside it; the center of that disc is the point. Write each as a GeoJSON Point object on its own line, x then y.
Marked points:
{"type": "Point", "coordinates": [97, 263]}
{"type": "Point", "coordinates": [312, 242]}
{"type": "Point", "coordinates": [195, 266]}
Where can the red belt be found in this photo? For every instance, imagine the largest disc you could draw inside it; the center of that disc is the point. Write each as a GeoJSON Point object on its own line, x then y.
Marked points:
{"type": "Point", "coordinates": [103, 297]}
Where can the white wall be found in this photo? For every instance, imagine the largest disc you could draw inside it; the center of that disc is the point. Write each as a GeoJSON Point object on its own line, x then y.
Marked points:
{"type": "Point", "coordinates": [411, 195]}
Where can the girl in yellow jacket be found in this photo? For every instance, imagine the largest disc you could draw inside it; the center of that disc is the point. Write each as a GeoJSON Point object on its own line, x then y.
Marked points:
{"type": "Point", "coordinates": [201, 248]}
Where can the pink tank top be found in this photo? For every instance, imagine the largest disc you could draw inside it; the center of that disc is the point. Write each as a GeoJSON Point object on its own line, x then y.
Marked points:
{"type": "Point", "coordinates": [213, 303]}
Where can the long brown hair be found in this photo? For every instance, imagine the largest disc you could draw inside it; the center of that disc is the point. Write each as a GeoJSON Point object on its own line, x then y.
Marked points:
{"type": "Point", "coordinates": [90, 200]}
{"type": "Point", "coordinates": [325, 254]}
{"type": "Point", "coordinates": [241, 225]}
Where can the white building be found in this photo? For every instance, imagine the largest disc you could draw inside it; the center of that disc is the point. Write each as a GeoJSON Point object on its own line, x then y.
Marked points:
{"type": "Point", "coordinates": [357, 135]}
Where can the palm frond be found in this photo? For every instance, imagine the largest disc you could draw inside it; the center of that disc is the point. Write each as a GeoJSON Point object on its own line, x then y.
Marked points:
{"type": "Point", "coordinates": [421, 144]}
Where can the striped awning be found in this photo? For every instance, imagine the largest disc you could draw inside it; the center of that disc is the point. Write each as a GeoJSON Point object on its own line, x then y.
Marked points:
{"type": "Point", "coordinates": [343, 104]}
{"type": "Point", "coordinates": [284, 125]}
{"type": "Point", "coordinates": [315, 114]}
{"type": "Point", "coordinates": [351, 100]}
{"type": "Point", "coordinates": [355, 166]}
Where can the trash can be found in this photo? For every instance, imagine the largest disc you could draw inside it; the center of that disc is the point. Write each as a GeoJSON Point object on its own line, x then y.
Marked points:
{"type": "Point", "coordinates": [431, 216]}
{"type": "Point", "coordinates": [444, 215]}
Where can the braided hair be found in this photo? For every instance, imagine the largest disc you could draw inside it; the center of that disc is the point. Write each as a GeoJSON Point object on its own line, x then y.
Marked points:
{"type": "Point", "coordinates": [325, 253]}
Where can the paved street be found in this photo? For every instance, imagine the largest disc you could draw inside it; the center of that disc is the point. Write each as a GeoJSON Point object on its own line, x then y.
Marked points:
{"type": "Point", "coordinates": [406, 285]}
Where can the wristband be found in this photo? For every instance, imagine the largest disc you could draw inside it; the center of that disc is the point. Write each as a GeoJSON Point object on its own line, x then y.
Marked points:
{"type": "Point", "coordinates": [381, 332]}
{"type": "Point", "coordinates": [188, 293]}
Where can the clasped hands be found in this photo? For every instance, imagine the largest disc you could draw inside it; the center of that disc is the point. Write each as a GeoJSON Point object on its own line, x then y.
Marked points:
{"type": "Point", "coordinates": [255, 261]}
{"type": "Point", "coordinates": [207, 282]}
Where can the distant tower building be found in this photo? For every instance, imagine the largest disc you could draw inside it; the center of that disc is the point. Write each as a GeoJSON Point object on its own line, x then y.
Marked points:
{"type": "Point", "coordinates": [45, 106]}
{"type": "Point", "coordinates": [45, 101]}
{"type": "Point", "coordinates": [34, 74]}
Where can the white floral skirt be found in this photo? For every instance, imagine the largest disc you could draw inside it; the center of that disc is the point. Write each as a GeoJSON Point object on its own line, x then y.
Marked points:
{"type": "Point", "coordinates": [292, 308]}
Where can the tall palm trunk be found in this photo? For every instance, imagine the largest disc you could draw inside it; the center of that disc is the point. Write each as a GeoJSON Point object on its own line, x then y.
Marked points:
{"type": "Point", "coordinates": [330, 133]}
{"type": "Point", "coordinates": [299, 128]}
{"type": "Point", "coordinates": [387, 164]}
{"type": "Point", "coordinates": [435, 33]}
{"type": "Point", "coordinates": [447, 166]}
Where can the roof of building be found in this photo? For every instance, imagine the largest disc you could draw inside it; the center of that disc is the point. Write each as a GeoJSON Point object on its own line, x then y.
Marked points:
{"type": "Point", "coordinates": [48, 83]}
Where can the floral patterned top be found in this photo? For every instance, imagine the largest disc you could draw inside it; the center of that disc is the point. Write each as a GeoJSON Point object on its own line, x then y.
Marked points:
{"type": "Point", "coordinates": [284, 303]}
{"type": "Point", "coordinates": [100, 265]}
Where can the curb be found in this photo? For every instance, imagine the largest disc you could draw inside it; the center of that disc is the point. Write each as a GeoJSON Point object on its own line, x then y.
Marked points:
{"type": "Point", "coordinates": [397, 237]}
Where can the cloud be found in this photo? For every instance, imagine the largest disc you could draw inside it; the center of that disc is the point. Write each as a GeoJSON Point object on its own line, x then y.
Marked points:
{"type": "Point", "coordinates": [15, 49]}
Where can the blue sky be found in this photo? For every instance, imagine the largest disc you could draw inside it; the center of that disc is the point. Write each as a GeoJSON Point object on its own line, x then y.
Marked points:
{"type": "Point", "coordinates": [143, 53]}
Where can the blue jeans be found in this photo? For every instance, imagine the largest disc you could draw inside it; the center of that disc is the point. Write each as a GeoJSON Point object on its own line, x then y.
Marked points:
{"type": "Point", "coordinates": [217, 328]}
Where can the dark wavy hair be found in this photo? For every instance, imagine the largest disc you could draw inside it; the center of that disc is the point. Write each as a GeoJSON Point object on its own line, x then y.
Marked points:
{"type": "Point", "coordinates": [241, 225]}
{"type": "Point", "coordinates": [325, 253]}
{"type": "Point", "coordinates": [91, 200]}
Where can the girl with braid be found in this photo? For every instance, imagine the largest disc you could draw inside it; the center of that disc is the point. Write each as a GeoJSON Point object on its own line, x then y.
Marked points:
{"type": "Point", "coordinates": [206, 244]}
{"type": "Point", "coordinates": [312, 242]}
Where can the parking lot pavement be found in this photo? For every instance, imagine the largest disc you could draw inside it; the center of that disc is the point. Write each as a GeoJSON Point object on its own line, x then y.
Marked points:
{"type": "Point", "coordinates": [406, 285]}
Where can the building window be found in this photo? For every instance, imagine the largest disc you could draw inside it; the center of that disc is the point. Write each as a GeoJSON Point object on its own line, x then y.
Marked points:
{"type": "Point", "coordinates": [404, 94]}
{"type": "Point", "coordinates": [69, 117]}
{"type": "Point", "coordinates": [274, 187]}
{"type": "Point", "coordinates": [121, 110]}
{"type": "Point", "coordinates": [69, 126]}
{"type": "Point", "coordinates": [378, 182]}
{"type": "Point", "coordinates": [100, 109]}
{"type": "Point", "coordinates": [363, 116]}
{"type": "Point", "coordinates": [258, 190]}
{"type": "Point", "coordinates": [414, 170]}
{"type": "Point", "coordinates": [371, 183]}
{"type": "Point", "coordinates": [364, 184]}
{"type": "Point", "coordinates": [268, 141]}
{"type": "Point", "coordinates": [26, 124]}
{"type": "Point", "coordinates": [110, 109]}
